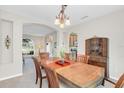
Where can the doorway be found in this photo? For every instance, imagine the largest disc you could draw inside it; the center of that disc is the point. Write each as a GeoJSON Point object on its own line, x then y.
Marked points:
{"type": "Point", "coordinates": [28, 47]}
{"type": "Point", "coordinates": [49, 48]}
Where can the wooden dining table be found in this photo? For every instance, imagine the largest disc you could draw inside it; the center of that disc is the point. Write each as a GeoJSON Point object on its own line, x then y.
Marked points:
{"type": "Point", "coordinates": [77, 74]}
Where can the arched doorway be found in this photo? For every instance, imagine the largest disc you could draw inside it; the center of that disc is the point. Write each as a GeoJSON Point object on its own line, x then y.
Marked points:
{"type": "Point", "coordinates": [28, 48]}
{"type": "Point", "coordinates": [44, 37]}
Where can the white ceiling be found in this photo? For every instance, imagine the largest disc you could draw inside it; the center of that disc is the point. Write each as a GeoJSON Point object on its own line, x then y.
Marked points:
{"type": "Point", "coordinates": [36, 29]}
{"type": "Point", "coordinates": [48, 13]}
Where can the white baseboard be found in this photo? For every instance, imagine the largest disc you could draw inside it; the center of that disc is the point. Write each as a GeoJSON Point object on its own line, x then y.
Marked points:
{"type": "Point", "coordinates": [114, 78]}
{"type": "Point", "coordinates": [20, 74]}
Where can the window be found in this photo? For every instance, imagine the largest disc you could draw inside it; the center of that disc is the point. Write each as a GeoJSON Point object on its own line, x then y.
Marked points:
{"type": "Point", "coordinates": [28, 47]}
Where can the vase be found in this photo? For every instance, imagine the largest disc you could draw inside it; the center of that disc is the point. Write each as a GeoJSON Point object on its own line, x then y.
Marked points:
{"type": "Point", "coordinates": [62, 61]}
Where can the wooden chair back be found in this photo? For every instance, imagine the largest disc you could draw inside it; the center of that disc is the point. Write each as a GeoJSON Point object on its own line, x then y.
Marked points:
{"type": "Point", "coordinates": [120, 82]}
{"type": "Point", "coordinates": [37, 67]}
{"type": "Point", "coordinates": [52, 77]}
{"type": "Point", "coordinates": [83, 58]}
{"type": "Point", "coordinates": [44, 55]}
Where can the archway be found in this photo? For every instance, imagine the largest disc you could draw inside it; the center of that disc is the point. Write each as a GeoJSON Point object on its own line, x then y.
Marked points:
{"type": "Point", "coordinates": [44, 33]}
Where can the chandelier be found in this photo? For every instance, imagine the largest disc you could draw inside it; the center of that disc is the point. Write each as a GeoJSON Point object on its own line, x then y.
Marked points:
{"type": "Point", "coordinates": [61, 18]}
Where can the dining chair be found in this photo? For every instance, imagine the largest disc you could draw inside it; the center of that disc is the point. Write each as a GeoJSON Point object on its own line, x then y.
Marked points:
{"type": "Point", "coordinates": [44, 55]}
{"type": "Point", "coordinates": [82, 58]}
{"type": "Point", "coordinates": [38, 71]}
{"type": "Point", "coordinates": [118, 84]}
{"type": "Point", "coordinates": [52, 78]}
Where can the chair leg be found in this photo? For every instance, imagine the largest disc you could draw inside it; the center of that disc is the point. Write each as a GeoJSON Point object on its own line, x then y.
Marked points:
{"type": "Point", "coordinates": [103, 82]}
{"type": "Point", "coordinates": [49, 85]}
{"type": "Point", "coordinates": [36, 79]}
{"type": "Point", "coordinates": [40, 82]}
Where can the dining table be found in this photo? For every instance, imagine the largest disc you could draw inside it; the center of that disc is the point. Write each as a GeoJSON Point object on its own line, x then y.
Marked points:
{"type": "Point", "coordinates": [77, 74]}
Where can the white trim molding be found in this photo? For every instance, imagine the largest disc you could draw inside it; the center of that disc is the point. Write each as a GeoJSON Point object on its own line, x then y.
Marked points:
{"type": "Point", "coordinates": [114, 78]}
{"type": "Point", "coordinates": [13, 76]}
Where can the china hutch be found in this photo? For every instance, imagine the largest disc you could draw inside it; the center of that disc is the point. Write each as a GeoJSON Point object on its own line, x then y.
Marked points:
{"type": "Point", "coordinates": [97, 49]}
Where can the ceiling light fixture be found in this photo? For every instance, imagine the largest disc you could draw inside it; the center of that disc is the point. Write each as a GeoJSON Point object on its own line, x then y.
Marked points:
{"type": "Point", "coordinates": [61, 18]}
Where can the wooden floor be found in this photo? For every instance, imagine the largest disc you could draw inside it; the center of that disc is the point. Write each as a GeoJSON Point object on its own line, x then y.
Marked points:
{"type": "Point", "coordinates": [27, 80]}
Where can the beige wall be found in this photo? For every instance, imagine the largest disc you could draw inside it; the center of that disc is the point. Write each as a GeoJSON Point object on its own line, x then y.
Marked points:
{"type": "Point", "coordinates": [112, 27]}
{"type": "Point", "coordinates": [38, 42]}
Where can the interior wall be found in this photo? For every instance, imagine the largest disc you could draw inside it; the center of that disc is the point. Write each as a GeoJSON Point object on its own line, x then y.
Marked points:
{"type": "Point", "coordinates": [0, 39]}
{"type": "Point", "coordinates": [112, 27]}
{"type": "Point", "coordinates": [14, 68]}
{"type": "Point", "coordinates": [6, 31]}
{"type": "Point", "coordinates": [53, 42]}
{"type": "Point", "coordinates": [39, 42]}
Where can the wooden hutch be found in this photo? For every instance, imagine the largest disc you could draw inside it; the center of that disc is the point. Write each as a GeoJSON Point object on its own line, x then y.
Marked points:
{"type": "Point", "coordinates": [97, 49]}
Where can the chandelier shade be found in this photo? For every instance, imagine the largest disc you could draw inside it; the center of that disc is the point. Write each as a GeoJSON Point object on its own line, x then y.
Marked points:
{"type": "Point", "coordinates": [61, 19]}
